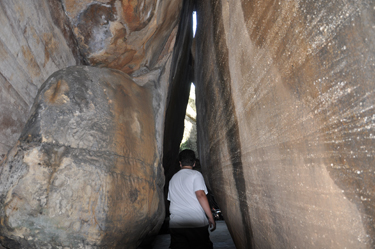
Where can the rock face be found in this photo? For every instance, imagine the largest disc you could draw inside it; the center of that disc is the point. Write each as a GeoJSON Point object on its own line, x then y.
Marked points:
{"type": "Point", "coordinates": [40, 37]}
{"type": "Point", "coordinates": [36, 41]}
{"type": "Point", "coordinates": [286, 123]}
{"type": "Point", "coordinates": [128, 35]}
{"type": "Point", "coordinates": [85, 172]}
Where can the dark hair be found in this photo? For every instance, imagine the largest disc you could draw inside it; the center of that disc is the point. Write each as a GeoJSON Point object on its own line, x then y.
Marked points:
{"type": "Point", "coordinates": [187, 157]}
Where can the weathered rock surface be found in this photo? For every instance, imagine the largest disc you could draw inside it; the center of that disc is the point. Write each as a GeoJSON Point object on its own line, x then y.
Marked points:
{"type": "Point", "coordinates": [286, 120]}
{"type": "Point", "coordinates": [135, 36]}
{"type": "Point", "coordinates": [128, 35]}
{"type": "Point", "coordinates": [35, 41]}
{"type": "Point", "coordinates": [85, 172]}
{"type": "Point", "coordinates": [41, 37]}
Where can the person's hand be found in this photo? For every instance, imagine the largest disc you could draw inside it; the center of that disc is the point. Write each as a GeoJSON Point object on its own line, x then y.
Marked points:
{"type": "Point", "coordinates": [212, 223]}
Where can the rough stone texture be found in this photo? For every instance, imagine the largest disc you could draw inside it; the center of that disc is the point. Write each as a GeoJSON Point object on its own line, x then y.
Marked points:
{"type": "Point", "coordinates": [128, 35]}
{"type": "Point", "coordinates": [134, 36]}
{"type": "Point", "coordinates": [41, 37]}
{"type": "Point", "coordinates": [35, 41]}
{"type": "Point", "coordinates": [286, 120]}
{"type": "Point", "coordinates": [85, 172]}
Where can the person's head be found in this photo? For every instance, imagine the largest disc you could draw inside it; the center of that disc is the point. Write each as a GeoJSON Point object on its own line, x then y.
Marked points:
{"type": "Point", "coordinates": [187, 158]}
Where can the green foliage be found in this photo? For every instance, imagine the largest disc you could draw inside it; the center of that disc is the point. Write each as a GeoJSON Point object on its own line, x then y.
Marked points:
{"type": "Point", "coordinates": [188, 144]}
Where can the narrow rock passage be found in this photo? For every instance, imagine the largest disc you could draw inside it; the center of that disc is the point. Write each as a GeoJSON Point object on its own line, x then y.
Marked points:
{"type": "Point", "coordinates": [285, 121]}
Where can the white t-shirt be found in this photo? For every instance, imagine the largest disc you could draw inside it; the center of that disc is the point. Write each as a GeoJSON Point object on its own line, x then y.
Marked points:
{"type": "Point", "coordinates": [184, 207]}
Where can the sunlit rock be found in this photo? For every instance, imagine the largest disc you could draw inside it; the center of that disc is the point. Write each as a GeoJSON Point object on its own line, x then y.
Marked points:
{"type": "Point", "coordinates": [189, 139]}
{"type": "Point", "coordinates": [85, 172]}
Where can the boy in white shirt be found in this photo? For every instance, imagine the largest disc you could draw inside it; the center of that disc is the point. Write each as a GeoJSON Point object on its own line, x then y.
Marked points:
{"type": "Point", "coordinates": [189, 206]}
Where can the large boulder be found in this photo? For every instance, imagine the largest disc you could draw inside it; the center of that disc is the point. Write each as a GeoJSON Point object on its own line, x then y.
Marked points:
{"type": "Point", "coordinates": [85, 172]}
{"type": "Point", "coordinates": [286, 120]}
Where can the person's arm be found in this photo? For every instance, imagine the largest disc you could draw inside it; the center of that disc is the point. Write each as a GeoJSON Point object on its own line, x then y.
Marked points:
{"type": "Point", "coordinates": [202, 198]}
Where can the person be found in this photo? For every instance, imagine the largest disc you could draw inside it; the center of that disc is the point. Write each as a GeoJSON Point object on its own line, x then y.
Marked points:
{"type": "Point", "coordinates": [189, 206]}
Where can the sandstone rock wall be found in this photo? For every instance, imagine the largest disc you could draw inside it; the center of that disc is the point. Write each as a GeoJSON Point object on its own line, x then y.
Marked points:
{"type": "Point", "coordinates": [128, 35]}
{"type": "Point", "coordinates": [35, 41]}
{"type": "Point", "coordinates": [286, 120]}
{"type": "Point", "coordinates": [41, 37]}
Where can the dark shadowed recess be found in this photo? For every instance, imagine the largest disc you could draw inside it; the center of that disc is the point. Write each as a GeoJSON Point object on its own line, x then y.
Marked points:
{"type": "Point", "coordinates": [62, 22]}
{"type": "Point", "coordinates": [181, 77]}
